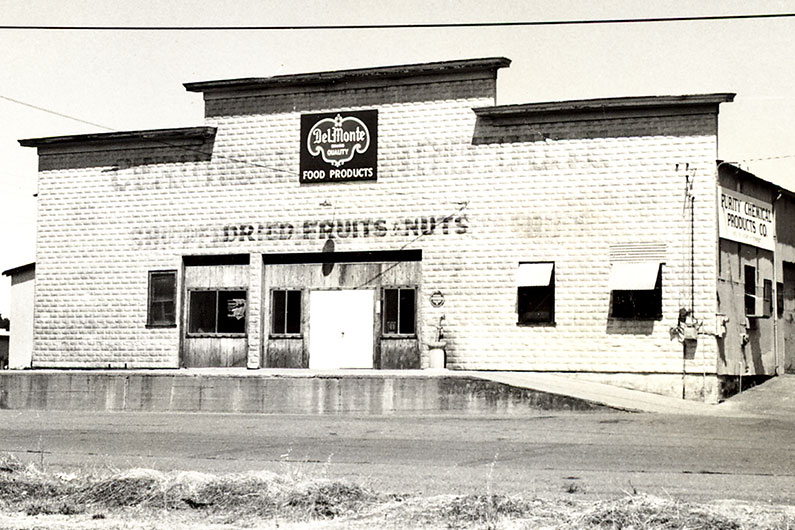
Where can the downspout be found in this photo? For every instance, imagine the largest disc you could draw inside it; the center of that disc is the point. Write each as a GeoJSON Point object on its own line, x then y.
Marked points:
{"type": "Point", "coordinates": [717, 263]}
{"type": "Point", "coordinates": [777, 370]}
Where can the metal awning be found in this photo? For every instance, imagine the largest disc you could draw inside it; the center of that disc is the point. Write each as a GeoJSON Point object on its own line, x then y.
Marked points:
{"type": "Point", "coordinates": [534, 274]}
{"type": "Point", "coordinates": [634, 276]}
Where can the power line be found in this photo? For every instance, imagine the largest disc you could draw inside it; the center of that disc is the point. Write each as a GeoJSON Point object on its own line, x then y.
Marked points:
{"type": "Point", "coordinates": [143, 137]}
{"type": "Point", "coordinates": [48, 111]}
{"type": "Point", "coordinates": [247, 162]}
{"type": "Point", "coordinates": [430, 25]}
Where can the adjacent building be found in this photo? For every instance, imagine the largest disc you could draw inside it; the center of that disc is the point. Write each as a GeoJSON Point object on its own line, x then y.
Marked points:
{"type": "Point", "coordinates": [19, 353]}
{"type": "Point", "coordinates": [353, 219]}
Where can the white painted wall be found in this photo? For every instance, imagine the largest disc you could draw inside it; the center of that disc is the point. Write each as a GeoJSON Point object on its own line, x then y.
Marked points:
{"type": "Point", "coordinates": [21, 343]}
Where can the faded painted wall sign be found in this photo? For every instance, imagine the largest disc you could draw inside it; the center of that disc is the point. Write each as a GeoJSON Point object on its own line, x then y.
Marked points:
{"type": "Point", "coordinates": [339, 146]}
{"type": "Point", "coordinates": [180, 237]}
{"type": "Point", "coordinates": [745, 219]}
{"type": "Point", "coordinates": [345, 228]}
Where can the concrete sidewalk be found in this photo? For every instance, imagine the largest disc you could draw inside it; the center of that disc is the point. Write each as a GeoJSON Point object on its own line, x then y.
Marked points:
{"type": "Point", "coordinates": [773, 399]}
{"type": "Point", "coordinates": [603, 394]}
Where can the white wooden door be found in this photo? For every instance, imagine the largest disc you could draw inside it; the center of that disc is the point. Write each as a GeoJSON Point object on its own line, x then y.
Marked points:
{"type": "Point", "coordinates": [341, 329]}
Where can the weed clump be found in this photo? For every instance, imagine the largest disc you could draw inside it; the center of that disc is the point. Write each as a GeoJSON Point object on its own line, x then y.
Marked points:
{"type": "Point", "coordinates": [237, 493]}
{"type": "Point", "coordinates": [121, 492]}
{"type": "Point", "coordinates": [53, 508]}
{"type": "Point", "coordinates": [483, 508]}
{"type": "Point", "coordinates": [10, 464]}
{"type": "Point", "coordinates": [643, 512]}
{"type": "Point", "coordinates": [327, 499]}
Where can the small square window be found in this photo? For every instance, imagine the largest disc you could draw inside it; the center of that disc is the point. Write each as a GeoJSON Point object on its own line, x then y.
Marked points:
{"type": "Point", "coordinates": [161, 307]}
{"type": "Point", "coordinates": [286, 312]}
{"type": "Point", "coordinates": [536, 293]}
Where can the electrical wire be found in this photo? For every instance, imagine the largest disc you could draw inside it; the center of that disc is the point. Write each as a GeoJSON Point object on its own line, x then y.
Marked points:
{"type": "Point", "coordinates": [143, 136]}
{"type": "Point", "coordinates": [422, 234]}
{"type": "Point", "coordinates": [429, 25]}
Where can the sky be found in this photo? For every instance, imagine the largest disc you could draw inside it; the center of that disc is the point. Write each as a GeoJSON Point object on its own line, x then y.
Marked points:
{"type": "Point", "coordinates": [131, 80]}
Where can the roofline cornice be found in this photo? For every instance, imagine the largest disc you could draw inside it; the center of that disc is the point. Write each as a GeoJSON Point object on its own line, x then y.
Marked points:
{"type": "Point", "coordinates": [604, 105]}
{"type": "Point", "coordinates": [164, 136]}
{"type": "Point", "coordinates": [336, 77]}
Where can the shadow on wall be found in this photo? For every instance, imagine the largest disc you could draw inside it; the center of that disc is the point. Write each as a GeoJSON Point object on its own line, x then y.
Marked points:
{"type": "Point", "coordinates": [617, 326]}
{"type": "Point", "coordinates": [754, 350]}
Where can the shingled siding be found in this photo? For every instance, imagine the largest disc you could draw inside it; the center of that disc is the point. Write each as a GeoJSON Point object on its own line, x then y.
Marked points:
{"type": "Point", "coordinates": [476, 206]}
{"type": "Point", "coordinates": [101, 229]}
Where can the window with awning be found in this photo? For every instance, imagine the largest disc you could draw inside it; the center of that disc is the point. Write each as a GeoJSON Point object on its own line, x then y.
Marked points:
{"type": "Point", "coordinates": [535, 284]}
{"type": "Point", "coordinates": [636, 290]}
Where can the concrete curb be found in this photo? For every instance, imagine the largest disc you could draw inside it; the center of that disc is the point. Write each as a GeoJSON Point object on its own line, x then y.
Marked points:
{"type": "Point", "coordinates": [278, 392]}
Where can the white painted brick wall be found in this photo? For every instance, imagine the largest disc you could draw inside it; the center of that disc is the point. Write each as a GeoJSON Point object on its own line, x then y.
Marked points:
{"type": "Point", "coordinates": [101, 231]}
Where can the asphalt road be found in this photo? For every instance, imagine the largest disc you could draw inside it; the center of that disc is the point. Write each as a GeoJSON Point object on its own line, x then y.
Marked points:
{"type": "Point", "coordinates": [596, 455]}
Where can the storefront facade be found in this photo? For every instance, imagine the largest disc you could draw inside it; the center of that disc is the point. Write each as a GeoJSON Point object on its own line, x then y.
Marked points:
{"type": "Point", "coordinates": [349, 219]}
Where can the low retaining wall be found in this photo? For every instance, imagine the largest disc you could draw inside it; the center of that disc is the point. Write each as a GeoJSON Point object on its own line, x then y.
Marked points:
{"type": "Point", "coordinates": [310, 394]}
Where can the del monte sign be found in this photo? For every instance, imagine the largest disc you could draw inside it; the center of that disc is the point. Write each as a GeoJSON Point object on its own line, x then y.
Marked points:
{"type": "Point", "coordinates": [336, 140]}
{"type": "Point", "coordinates": [339, 146]}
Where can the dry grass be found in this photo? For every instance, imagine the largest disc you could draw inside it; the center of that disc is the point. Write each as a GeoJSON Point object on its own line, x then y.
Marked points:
{"type": "Point", "coordinates": [138, 498]}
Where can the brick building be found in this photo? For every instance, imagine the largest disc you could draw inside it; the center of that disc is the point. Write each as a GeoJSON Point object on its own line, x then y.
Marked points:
{"type": "Point", "coordinates": [350, 219]}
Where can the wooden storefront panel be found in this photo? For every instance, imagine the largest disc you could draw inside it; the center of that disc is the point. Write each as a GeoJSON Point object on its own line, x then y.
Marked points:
{"type": "Point", "coordinates": [215, 348]}
{"type": "Point", "coordinates": [389, 353]}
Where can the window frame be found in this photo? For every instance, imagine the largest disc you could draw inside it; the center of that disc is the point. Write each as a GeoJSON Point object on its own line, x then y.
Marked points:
{"type": "Point", "coordinates": [749, 289]}
{"type": "Point", "coordinates": [549, 289]}
{"type": "Point", "coordinates": [216, 333]}
{"type": "Point", "coordinates": [286, 334]}
{"type": "Point", "coordinates": [767, 297]}
{"type": "Point", "coordinates": [151, 301]}
{"type": "Point", "coordinates": [397, 334]}
{"type": "Point", "coordinates": [779, 299]}
{"type": "Point", "coordinates": [634, 298]}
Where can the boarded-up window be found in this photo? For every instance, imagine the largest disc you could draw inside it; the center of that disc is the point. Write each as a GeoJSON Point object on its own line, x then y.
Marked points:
{"type": "Point", "coordinates": [535, 293]}
{"type": "Point", "coordinates": [399, 310]}
{"type": "Point", "coordinates": [161, 310]}
{"type": "Point", "coordinates": [286, 312]}
{"type": "Point", "coordinates": [221, 312]}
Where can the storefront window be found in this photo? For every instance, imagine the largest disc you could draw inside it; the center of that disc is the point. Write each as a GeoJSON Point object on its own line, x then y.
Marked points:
{"type": "Point", "coordinates": [162, 299]}
{"type": "Point", "coordinates": [399, 311]}
{"type": "Point", "coordinates": [221, 312]}
{"type": "Point", "coordinates": [286, 313]}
